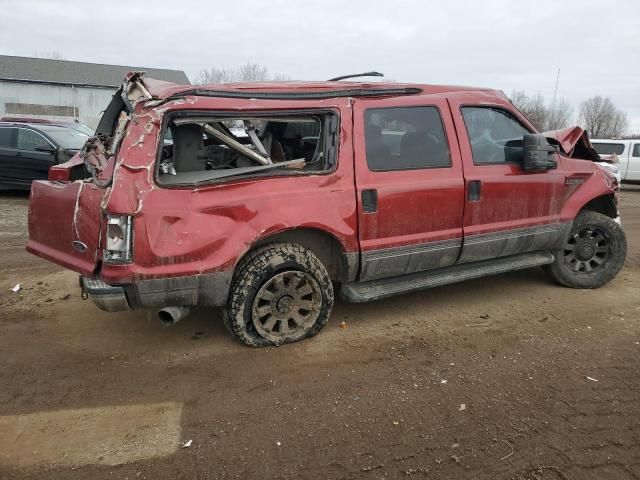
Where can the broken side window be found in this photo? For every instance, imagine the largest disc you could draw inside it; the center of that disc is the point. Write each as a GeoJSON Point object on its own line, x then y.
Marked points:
{"type": "Point", "coordinates": [200, 148]}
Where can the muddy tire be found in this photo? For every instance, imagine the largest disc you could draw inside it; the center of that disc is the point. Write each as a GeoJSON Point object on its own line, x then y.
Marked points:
{"type": "Point", "coordinates": [280, 293]}
{"type": "Point", "coordinates": [593, 254]}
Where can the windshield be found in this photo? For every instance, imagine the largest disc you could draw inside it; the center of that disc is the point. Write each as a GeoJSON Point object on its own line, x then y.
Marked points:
{"type": "Point", "coordinates": [81, 127]}
{"type": "Point", "coordinates": [67, 138]}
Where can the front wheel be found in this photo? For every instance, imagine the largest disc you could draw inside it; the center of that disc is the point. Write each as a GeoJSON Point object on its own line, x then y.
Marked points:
{"type": "Point", "coordinates": [593, 254]}
{"type": "Point", "coordinates": [281, 293]}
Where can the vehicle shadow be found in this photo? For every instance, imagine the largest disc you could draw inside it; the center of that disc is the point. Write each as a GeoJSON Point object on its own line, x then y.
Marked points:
{"type": "Point", "coordinates": [14, 194]}
{"type": "Point", "coordinates": [204, 327]}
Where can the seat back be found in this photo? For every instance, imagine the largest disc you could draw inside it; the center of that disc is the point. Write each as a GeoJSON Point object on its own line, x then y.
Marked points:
{"type": "Point", "coordinates": [188, 147]}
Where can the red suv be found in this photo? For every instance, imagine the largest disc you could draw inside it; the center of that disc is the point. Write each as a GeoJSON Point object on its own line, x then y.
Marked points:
{"type": "Point", "coordinates": [267, 198]}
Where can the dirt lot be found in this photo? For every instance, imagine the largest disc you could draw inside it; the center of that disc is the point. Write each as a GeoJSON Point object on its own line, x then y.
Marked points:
{"type": "Point", "coordinates": [505, 377]}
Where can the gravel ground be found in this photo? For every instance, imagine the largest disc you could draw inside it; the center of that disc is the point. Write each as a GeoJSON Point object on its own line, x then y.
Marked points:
{"type": "Point", "coordinates": [506, 377]}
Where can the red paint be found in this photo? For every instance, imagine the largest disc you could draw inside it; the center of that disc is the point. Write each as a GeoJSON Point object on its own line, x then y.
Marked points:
{"type": "Point", "coordinates": [415, 206]}
{"type": "Point", "coordinates": [61, 213]}
{"type": "Point", "coordinates": [62, 171]}
{"type": "Point", "coordinates": [573, 138]}
{"type": "Point", "coordinates": [511, 198]}
{"type": "Point", "coordinates": [187, 231]}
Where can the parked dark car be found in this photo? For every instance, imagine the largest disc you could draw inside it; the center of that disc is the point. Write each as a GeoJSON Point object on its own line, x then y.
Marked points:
{"type": "Point", "coordinates": [27, 150]}
{"type": "Point", "coordinates": [73, 124]}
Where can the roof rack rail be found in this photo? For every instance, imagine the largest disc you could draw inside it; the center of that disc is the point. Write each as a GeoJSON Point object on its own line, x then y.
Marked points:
{"type": "Point", "coordinates": [356, 75]}
{"type": "Point", "coordinates": [350, 92]}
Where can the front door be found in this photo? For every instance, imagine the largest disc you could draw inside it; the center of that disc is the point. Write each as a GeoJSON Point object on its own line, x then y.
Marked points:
{"type": "Point", "coordinates": [409, 185]}
{"type": "Point", "coordinates": [508, 210]}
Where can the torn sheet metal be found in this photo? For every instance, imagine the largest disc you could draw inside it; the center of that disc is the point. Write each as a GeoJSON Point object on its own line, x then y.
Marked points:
{"type": "Point", "coordinates": [574, 142]}
{"type": "Point", "coordinates": [98, 161]}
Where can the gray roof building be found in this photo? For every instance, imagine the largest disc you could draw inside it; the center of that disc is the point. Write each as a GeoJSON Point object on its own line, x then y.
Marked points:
{"type": "Point", "coordinates": [62, 89]}
{"type": "Point", "coordinates": [66, 72]}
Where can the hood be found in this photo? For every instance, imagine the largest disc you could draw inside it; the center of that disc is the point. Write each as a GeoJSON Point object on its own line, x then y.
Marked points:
{"type": "Point", "coordinates": [574, 142]}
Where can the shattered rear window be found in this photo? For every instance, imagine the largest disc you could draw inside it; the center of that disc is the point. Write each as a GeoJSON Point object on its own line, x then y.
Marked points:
{"type": "Point", "coordinates": [200, 148]}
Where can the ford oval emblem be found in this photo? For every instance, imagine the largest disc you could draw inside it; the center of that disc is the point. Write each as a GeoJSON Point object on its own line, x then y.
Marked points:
{"type": "Point", "coordinates": [79, 246]}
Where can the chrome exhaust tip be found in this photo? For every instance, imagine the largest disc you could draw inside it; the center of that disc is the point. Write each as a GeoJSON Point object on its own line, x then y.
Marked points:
{"type": "Point", "coordinates": [169, 316]}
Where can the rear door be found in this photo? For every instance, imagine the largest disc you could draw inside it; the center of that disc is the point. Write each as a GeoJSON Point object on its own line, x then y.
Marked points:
{"type": "Point", "coordinates": [508, 210]}
{"type": "Point", "coordinates": [409, 185]}
{"type": "Point", "coordinates": [31, 163]}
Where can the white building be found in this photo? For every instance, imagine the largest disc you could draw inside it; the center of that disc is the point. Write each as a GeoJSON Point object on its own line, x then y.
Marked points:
{"type": "Point", "coordinates": [57, 89]}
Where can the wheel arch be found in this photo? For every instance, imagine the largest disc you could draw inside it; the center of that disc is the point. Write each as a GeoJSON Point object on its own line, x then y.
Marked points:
{"type": "Point", "coordinates": [341, 265]}
{"type": "Point", "coordinates": [604, 204]}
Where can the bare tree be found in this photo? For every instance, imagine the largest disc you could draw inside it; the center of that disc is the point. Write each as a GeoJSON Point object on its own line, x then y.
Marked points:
{"type": "Point", "coordinates": [216, 75]}
{"type": "Point", "coordinates": [280, 77]}
{"type": "Point", "coordinates": [249, 72]}
{"type": "Point", "coordinates": [53, 54]}
{"type": "Point", "coordinates": [559, 115]}
{"type": "Point", "coordinates": [544, 117]}
{"type": "Point", "coordinates": [252, 72]}
{"type": "Point", "coordinates": [600, 117]}
{"type": "Point", "coordinates": [532, 107]}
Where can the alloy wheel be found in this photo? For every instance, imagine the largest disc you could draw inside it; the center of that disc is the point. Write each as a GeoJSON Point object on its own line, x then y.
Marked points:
{"type": "Point", "coordinates": [587, 250]}
{"type": "Point", "coordinates": [286, 306]}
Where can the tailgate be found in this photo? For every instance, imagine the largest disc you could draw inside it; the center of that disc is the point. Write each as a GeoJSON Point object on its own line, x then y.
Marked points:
{"type": "Point", "coordinates": [65, 221]}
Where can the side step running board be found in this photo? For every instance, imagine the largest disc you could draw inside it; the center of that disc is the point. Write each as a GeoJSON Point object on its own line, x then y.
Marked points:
{"type": "Point", "coordinates": [383, 288]}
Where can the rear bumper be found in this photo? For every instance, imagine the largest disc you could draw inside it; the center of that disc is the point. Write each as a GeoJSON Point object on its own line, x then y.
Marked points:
{"type": "Point", "coordinates": [109, 298]}
{"type": "Point", "coordinates": [208, 289]}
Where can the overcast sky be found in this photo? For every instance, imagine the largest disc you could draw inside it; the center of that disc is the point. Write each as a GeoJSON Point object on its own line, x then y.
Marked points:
{"type": "Point", "coordinates": [509, 45]}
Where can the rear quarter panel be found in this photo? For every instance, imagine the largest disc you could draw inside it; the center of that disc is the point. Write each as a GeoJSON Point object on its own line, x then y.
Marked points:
{"type": "Point", "coordinates": [185, 231]}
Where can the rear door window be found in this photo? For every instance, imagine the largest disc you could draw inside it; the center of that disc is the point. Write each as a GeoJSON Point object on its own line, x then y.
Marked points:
{"type": "Point", "coordinates": [609, 148]}
{"type": "Point", "coordinates": [495, 135]}
{"type": "Point", "coordinates": [636, 150]}
{"type": "Point", "coordinates": [405, 138]}
{"type": "Point", "coordinates": [29, 140]}
{"type": "Point", "coordinates": [6, 135]}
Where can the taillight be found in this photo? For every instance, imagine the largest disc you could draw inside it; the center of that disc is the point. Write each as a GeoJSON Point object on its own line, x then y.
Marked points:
{"type": "Point", "coordinates": [118, 243]}
{"type": "Point", "coordinates": [59, 173]}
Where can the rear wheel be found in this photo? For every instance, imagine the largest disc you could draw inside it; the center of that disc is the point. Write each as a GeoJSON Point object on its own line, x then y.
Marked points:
{"type": "Point", "coordinates": [593, 254]}
{"type": "Point", "coordinates": [281, 293]}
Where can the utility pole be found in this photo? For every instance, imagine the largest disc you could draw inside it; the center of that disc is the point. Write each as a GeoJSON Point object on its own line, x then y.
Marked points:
{"type": "Point", "coordinates": [555, 92]}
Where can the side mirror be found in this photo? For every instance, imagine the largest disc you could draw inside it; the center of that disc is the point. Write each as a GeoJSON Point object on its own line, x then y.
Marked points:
{"type": "Point", "coordinates": [538, 153]}
{"type": "Point", "coordinates": [45, 147]}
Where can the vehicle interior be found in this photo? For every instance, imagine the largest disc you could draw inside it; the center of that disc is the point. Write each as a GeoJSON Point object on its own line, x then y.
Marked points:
{"type": "Point", "coordinates": [199, 149]}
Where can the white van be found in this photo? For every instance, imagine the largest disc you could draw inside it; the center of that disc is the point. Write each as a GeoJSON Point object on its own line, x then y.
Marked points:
{"type": "Point", "coordinates": [625, 153]}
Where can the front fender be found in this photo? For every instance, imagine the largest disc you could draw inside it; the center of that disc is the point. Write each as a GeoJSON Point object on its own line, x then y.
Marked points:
{"type": "Point", "coordinates": [586, 190]}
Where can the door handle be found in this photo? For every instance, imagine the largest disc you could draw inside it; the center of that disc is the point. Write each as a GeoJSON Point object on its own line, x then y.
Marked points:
{"type": "Point", "coordinates": [474, 190]}
{"type": "Point", "coordinates": [18, 154]}
{"type": "Point", "coordinates": [370, 200]}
